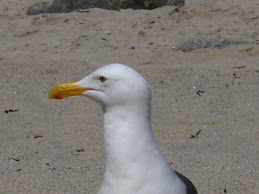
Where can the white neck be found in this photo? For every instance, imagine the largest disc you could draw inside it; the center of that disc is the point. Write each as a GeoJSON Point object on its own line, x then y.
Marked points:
{"type": "Point", "coordinates": [131, 150]}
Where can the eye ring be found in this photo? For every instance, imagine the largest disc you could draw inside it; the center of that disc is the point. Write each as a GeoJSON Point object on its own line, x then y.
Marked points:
{"type": "Point", "coordinates": [102, 79]}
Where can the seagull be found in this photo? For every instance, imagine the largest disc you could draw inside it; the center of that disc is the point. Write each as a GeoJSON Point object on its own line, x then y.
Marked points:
{"type": "Point", "coordinates": [134, 162]}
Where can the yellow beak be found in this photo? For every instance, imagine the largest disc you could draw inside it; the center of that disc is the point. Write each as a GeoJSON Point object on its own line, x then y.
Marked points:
{"type": "Point", "coordinates": [64, 90]}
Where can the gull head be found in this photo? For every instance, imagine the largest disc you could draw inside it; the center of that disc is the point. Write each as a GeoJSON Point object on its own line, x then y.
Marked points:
{"type": "Point", "coordinates": [111, 85]}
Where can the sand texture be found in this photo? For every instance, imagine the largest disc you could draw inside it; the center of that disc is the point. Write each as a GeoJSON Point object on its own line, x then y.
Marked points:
{"type": "Point", "coordinates": [205, 108]}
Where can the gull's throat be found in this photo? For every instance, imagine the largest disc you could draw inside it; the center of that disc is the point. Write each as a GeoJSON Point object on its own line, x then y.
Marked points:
{"type": "Point", "coordinates": [131, 150]}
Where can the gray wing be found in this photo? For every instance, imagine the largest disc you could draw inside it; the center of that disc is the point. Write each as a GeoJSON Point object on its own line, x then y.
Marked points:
{"type": "Point", "coordinates": [189, 186]}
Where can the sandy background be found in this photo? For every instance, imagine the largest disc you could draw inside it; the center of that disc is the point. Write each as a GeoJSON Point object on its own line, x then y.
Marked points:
{"type": "Point", "coordinates": [50, 146]}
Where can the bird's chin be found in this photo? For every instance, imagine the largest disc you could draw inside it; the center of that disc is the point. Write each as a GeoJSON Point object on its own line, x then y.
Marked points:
{"type": "Point", "coordinates": [95, 95]}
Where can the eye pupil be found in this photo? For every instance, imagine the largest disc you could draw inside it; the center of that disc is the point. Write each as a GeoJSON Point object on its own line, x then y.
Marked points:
{"type": "Point", "coordinates": [102, 79]}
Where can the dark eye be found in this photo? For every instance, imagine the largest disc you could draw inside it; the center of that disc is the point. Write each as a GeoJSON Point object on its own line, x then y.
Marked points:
{"type": "Point", "coordinates": [102, 79]}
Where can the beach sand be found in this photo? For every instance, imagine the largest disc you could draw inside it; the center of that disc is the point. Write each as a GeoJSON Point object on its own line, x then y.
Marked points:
{"type": "Point", "coordinates": [205, 106]}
